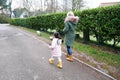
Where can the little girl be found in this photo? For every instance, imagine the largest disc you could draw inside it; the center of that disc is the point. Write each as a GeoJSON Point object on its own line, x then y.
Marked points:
{"type": "Point", "coordinates": [56, 49]}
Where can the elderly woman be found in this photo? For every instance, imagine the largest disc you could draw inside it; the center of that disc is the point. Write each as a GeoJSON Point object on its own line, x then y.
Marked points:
{"type": "Point", "coordinates": [69, 30]}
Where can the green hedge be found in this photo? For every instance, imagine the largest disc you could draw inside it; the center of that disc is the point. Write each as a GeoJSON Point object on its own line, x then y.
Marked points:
{"type": "Point", "coordinates": [3, 19]}
{"type": "Point", "coordinates": [103, 23]}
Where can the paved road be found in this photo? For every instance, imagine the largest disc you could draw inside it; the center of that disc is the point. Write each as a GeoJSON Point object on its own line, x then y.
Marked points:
{"type": "Point", "coordinates": [25, 57]}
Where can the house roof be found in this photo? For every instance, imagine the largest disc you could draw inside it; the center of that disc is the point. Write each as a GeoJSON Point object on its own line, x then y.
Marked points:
{"type": "Point", "coordinates": [109, 4]}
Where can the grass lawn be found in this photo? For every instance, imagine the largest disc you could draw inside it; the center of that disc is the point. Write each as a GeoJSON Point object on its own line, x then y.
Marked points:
{"type": "Point", "coordinates": [94, 39]}
{"type": "Point", "coordinates": [97, 54]}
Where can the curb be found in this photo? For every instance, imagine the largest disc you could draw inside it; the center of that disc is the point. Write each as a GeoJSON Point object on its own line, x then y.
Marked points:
{"type": "Point", "coordinates": [95, 68]}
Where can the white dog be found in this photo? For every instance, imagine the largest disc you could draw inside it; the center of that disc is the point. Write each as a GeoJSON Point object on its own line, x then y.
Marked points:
{"type": "Point", "coordinates": [38, 33]}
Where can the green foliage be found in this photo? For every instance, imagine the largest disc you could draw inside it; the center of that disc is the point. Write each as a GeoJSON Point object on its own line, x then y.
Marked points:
{"type": "Point", "coordinates": [3, 2]}
{"type": "Point", "coordinates": [3, 19]}
{"type": "Point", "coordinates": [19, 22]}
{"type": "Point", "coordinates": [102, 22]}
{"type": "Point", "coordinates": [43, 22]}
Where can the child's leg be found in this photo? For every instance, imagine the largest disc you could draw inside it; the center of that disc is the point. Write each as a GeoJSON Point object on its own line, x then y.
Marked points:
{"type": "Point", "coordinates": [52, 57]}
{"type": "Point", "coordinates": [59, 65]}
{"type": "Point", "coordinates": [59, 58]}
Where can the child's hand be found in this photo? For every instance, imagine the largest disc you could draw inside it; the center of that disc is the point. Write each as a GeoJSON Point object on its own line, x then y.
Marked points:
{"type": "Point", "coordinates": [49, 45]}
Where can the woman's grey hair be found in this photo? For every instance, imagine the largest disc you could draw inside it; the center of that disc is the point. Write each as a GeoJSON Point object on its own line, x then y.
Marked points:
{"type": "Point", "coordinates": [70, 13]}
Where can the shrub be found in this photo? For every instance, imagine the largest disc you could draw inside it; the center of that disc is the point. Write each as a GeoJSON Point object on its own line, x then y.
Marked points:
{"type": "Point", "coordinates": [102, 22]}
{"type": "Point", "coordinates": [3, 19]}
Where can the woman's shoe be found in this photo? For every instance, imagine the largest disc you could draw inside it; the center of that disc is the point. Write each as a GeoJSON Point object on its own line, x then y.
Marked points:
{"type": "Point", "coordinates": [70, 58]}
{"type": "Point", "coordinates": [67, 55]}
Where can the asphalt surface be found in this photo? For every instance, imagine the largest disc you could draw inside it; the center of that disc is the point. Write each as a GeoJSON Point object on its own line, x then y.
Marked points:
{"type": "Point", "coordinates": [25, 57]}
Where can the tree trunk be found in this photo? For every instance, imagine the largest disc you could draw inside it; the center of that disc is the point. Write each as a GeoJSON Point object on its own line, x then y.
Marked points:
{"type": "Point", "coordinates": [86, 36]}
{"type": "Point", "coordinates": [73, 5]}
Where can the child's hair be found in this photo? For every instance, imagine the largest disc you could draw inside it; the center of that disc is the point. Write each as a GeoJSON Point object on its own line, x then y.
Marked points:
{"type": "Point", "coordinates": [57, 35]}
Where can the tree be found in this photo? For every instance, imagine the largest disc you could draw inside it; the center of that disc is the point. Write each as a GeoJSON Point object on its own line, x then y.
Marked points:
{"type": "Point", "coordinates": [51, 6]}
{"type": "Point", "coordinates": [77, 4]}
{"type": "Point", "coordinates": [72, 5]}
{"type": "Point", "coordinates": [27, 4]}
{"type": "Point", "coordinates": [18, 11]}
{"type": "Point", "coordinates": [9, 8]}
{"type": "Point", "coordinates": [67, 5]}
{"type": "Point", "coordinates": [3, 4]}
{"type": "Point", "coordinates": [6, 8]}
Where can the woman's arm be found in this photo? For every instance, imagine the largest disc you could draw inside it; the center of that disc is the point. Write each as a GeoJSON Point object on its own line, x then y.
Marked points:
{"type": "Point", "coordinates": [66, 28]}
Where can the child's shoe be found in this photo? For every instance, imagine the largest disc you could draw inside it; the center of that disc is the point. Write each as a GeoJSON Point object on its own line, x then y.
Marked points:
{"type": "Point", "coordinates": [51, 60]}
{"type": "Point", "coordinates": [59, 65]}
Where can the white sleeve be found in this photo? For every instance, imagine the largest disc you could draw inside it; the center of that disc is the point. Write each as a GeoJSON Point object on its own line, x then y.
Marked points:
{"type": "Point", "coordinates": [53, 43]}
{"type": "Point", "coordinates": [59, 41]}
